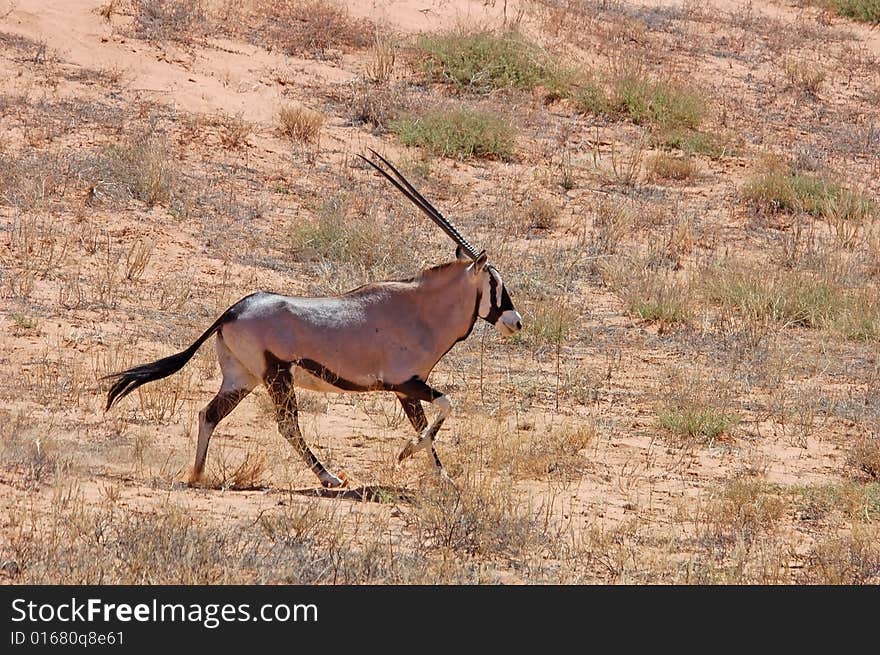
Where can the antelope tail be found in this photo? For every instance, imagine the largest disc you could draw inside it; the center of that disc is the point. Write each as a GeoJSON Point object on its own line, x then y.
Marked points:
{"type": "Point", "coordinates": [127, 381]}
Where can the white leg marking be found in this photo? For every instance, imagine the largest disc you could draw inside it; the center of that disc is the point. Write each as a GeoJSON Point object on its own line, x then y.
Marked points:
{"type": "Point", "coordinates": [330, 480]}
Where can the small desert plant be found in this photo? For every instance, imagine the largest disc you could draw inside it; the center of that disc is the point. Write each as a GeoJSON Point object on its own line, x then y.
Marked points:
{"type": "Point", "coordinates": [342, 232]}
{"type": "Point", "coordinates": [804, 76]}
{"type": "Point", "coordinates": [485, 518]}
{"type": "Point", "coordinates": [855, 499]}
{"type": "Point", "coordinates": [695, 410]}
{"type": "Point", "coordinates": [738, 513]}
{"type": "Point", "coordinates": [551, 321]}
{"type": "Point", "coordinates": [305, 27]}
{"type": "Point", "coordinates": [590, 97]}
{"type": "Point", "coordinates": [459, 133]}
{"type": "Point", "coordinates": [666, 166]}
{"type": "Point", "coordinates": [166, 20]}
{"type": "Point", "coordinates": [374, 105]}
{"type": "Point", "coordinates": [142, 168]}
{"type": "Point", "coordinates": [484, 60]}
{"type": "Point", "coordinates": [234, 131]}
{"type": "Point", "coordinates": [541, 214]}
{"type": "Point", "coordinates": [612, 222]}
{"type": "Point", "coordinates": [526, 452]}
{"type": "Point", "coordinates": [782, 188]}
{"type": "Point", "coordinates": [849, 558]}
{"type": "Point", "coordinates": [647, 293]}
{"type": "Point", "coordinates": [790, 298]}
{"type": "Point", "coordinates": [865, 455]}
{"type": "Point", "coordinates": [664, 104]}
{"type": "Point", "coordinates": [864, 10]}
{"type": "Point", "coordinates": [693, 142]}
{"type": "Point", "coordinates": [696, 421]}
{"type": "Point", "coordinates": [33, 457]}
{"type": "Point", "coordinates": [663, 305]}
{"type": "Point", "coordinates": [383, 55]}
{"type": "Point", "coordinates": [246, 475]}
{"type": "Point", "coordinates": [660, 104]}
{"type": "Point", "coordinates": [299, 124]}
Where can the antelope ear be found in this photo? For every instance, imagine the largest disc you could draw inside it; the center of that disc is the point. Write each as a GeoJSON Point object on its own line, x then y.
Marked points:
{"type": "Point", "coordinates": [479, 263]}
{"type": "Point", "coordinates": [460, 254]}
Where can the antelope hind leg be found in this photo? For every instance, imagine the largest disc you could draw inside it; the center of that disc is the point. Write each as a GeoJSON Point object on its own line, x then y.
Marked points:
{"type": "Point", "coordinates": [279, 382]}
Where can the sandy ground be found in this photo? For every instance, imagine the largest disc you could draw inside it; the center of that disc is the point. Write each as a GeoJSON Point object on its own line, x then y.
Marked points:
{"type": "Point", "coordinates": [630, 480]}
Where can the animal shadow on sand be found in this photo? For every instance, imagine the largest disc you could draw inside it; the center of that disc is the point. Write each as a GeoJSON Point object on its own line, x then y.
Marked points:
{"type": "Point", "coordinates": [373, 493]}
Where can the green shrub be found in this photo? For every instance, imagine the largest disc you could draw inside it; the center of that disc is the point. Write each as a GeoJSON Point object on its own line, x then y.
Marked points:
{"type": "Point", "coordinates": [460, 133]}
{"type": "Point", "coordinates": [485, 60]}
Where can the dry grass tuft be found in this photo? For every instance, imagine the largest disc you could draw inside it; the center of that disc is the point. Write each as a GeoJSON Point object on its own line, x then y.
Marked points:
{"type": "Point", "coordinates": [348, 236]}
{"type": "Point", "coordinates": [482, 518]}
{"type": "Point", "coordinates": [374, 105]}
{"type": "Point", "coordinates": [245, 476]}
{"type": "Point", "coordinates": [847, 559]}
{"type": "Point", "coordinates": [301, 125]}
{"type": "Point", "coordinates": [739, 513]}
{"type": "Point", "coordinates": [666, 166]}
{"type": "Point", "coordinates": [804, 76]}
{"type": "Point", "coordinates": [32, 458]}
{"type": "Point", "coordinates": [780, 187]}
{"type": "Point", "coordinates": [648, 292]}
{"type": "Point", "coordinates": [527, 452]}
{"type": "Point", "coordinates": [864, 455]}
{"type": "Point", "coordinates": [541, 214]}
{"type": "Point", "coordinates": [234, 131]}
{"type": "Point", "coordinates": [794, 299]}
{"type": "Point", "coordinates": [314, 28]}
{"type": "Point", "coordinates": [167, 20]}
{"type": "Point", "coordinates": [141, 168]}
{"type": "Point", "coordinates": [383, 56]}
{"type": "Point", "coordinates": [662, 104]}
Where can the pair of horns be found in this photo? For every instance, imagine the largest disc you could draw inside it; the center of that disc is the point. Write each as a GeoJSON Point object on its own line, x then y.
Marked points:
{"type": "Point", "coordinates": [419, 201]}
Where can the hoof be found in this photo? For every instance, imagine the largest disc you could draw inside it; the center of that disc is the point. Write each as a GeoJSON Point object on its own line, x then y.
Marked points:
{"type": "Point", "coordinates": [194, 479]}
{"type": "Point", "coordinates": [446, 481]}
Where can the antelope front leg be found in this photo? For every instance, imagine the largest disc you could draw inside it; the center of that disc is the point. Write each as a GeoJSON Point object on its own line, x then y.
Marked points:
{"type": "Point", "coordinates": [426, 437]}
{"type": "Point", "coordinates": [411, 394]}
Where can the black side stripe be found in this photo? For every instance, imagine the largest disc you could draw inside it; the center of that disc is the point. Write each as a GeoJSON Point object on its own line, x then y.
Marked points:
{"type": "Point", "coordinates": [412, 387]}
{"type": "Point", "coordinates": [323, 373]}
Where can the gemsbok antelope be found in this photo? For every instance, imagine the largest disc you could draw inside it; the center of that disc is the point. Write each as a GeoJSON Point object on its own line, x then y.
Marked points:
{"type": "Point", "coordinates": [385, 336]}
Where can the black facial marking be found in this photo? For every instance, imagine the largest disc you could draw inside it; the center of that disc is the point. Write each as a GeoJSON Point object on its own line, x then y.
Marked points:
{"type": "Point", "coordinates": [494, 310]}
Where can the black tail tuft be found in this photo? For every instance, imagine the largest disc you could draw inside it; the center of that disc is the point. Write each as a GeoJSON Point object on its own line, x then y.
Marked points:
{"type": "Point", "coordinates": [127, 381]}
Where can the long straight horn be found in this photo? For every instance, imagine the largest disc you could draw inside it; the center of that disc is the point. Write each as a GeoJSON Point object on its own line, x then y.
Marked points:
{"type": "Point", "coordinates": [419, 201]}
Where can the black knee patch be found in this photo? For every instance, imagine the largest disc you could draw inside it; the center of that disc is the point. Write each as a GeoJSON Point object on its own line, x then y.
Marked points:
{"type": "Point", "coordinates": [412, 407]}
{"type": "Point", "coordinates": [222, 404]}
